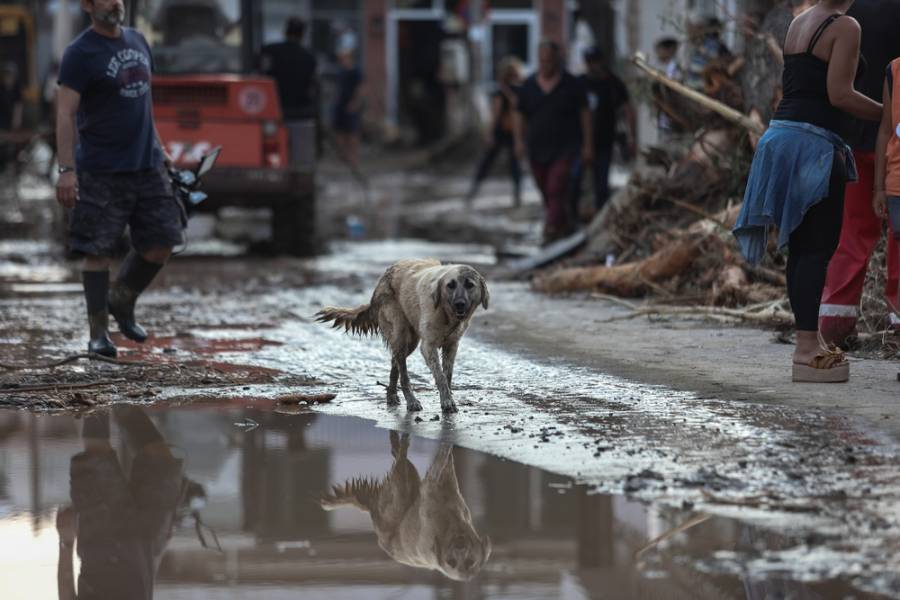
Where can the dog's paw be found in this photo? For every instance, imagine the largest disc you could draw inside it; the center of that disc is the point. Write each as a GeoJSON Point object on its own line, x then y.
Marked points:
{"type": "Point", "coordinates": [414, 406]}
{"type": "Point", "coordinates": [449, 408]}
{"type": "Point", "coordinates": [393, 399]}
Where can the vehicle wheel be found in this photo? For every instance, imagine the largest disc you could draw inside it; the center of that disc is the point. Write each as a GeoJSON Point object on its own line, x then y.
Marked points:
{"type": "Point", "coordinates": [294, 225]}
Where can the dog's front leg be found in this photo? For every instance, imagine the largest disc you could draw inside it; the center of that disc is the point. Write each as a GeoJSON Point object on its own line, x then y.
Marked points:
{"type": "Point", "coordinates": [412, 404]}
{"type": "Point", "coordinates": [448, 358]}
{"type": "Point", "coordinates": [392, 398]}
{"type": "Point", "coordinates": [430, 353]}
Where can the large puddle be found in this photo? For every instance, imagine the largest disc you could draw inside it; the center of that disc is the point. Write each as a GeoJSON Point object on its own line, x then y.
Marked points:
{"type": "Point", "coordinates": [222, 501]}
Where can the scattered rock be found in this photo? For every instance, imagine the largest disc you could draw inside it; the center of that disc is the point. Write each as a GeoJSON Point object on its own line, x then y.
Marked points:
{"type": "Point", "coordinates": [306, 398]}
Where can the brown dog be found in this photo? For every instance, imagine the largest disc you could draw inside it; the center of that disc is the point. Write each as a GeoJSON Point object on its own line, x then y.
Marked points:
{"type": "Point", "coordinates": [418, 301]}
{"type": "Point", "coordinates": [420, 522]}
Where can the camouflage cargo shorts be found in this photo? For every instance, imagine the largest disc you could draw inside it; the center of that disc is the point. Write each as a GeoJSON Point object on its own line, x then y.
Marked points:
{"type": "Point", "coordinates": [142, 200]}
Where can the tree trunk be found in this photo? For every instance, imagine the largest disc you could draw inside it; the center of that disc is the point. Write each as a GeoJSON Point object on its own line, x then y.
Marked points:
{"type": "Point", "coordinates": [626, 280]}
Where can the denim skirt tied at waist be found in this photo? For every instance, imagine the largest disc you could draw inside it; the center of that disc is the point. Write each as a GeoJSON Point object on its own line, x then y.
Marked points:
{"type": "Point", "coordinates": [790, 173]}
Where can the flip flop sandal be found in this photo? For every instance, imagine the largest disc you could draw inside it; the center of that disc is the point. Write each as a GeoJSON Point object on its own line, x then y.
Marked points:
{"type": "Point", "coordinates": [829, 366]}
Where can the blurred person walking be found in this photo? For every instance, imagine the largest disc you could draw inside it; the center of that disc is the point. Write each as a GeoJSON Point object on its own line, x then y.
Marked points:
{"type": "Point", "coordinates": [669, 124]}
{"type": "Point", "coordinates": [499, 136]}
{"type": "Point", "coordinates": [707, 48]}
{"type": "Point", "coordinates": [552, 125]}
{"type": "Point", "coordinates": [294, 69]}
{"type": "Point", "coordinates": [349, 102]}
{"type": "Point", "coordinates": [608, 99]}
{"type": "Point", "coordinates": [112, 170]}
{"type": "Point", "coordinates": [862, 227]}
{"type": "Point", "coordinates": [800, 169]}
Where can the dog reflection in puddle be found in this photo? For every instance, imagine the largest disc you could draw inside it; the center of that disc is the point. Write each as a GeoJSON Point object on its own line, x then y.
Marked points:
{"type": "Point", "coordinates": [420, 522]}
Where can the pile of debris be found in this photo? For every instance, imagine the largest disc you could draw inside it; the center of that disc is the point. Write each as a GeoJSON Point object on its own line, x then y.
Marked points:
{"type": "Point", "coordinates": [666, 236]}
{"type": "Point", "coordinates": [668, 233]}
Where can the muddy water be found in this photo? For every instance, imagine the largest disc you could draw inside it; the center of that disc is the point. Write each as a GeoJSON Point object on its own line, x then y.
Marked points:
{"type": "Point", "coordinates": [218, 500]}
{"type": "Point", "coordinates": [807, 499]}
{"type": "Point", "coordinates": [751, 501]}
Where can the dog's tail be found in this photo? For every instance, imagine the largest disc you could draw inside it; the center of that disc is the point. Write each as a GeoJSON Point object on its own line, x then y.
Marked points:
{"type": "Point", "coordinates": [360, 493]}
{"type": "Point", "coordinates": [362, 320]}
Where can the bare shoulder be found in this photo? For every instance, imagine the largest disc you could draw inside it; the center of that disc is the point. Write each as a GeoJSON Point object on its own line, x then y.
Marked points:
{"type": "Point", "coordinates": [847, 24]}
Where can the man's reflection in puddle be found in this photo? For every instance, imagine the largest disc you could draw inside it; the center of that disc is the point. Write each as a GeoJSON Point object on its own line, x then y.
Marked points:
{"type": "Point", "coordinates": [122, 523]}
{"type": "Point", "coordinates": [420, 522]}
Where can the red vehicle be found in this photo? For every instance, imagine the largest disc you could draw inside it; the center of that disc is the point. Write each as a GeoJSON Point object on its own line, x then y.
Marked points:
{"type": "Point", "coordinates": [206, 94]}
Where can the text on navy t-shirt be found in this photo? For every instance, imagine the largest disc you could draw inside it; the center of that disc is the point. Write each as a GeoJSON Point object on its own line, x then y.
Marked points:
{"type": "Point", "coordinates": [115, 115]}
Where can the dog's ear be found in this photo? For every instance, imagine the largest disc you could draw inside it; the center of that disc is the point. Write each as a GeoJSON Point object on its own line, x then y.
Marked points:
{"type": "Point", "coordinates": [437, 292]}
{"type": "Point", "coordinates": [485, 294]}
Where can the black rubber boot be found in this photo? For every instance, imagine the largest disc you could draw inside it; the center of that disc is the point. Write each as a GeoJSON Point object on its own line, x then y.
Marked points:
{"type": "Point", "coordinates": [135, 275]}
{"type": "Point", "coordinates": [96, 288]}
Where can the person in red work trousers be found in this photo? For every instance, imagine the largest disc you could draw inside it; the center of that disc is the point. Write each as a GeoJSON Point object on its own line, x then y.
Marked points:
{"type": "Point", "coordinates": [553, 123]}
{"type": "Point", "coordinates": [886, 192]}
{"type": "Point", "coordinates": [862, 228]}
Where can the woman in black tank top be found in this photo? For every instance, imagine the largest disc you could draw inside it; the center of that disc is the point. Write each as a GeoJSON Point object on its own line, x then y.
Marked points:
{"type": "Point", "coordinates": [805, 87]}
{"type": "Point", "coordinates": [791, 187]}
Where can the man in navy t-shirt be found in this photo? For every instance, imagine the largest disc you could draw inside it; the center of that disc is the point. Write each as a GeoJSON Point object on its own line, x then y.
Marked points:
{"type": "Point", "coordinates": [112, 171]}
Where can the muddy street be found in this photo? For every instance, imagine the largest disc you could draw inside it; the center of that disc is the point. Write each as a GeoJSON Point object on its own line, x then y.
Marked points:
{"type": "Point", "coordinates": [589, 477]}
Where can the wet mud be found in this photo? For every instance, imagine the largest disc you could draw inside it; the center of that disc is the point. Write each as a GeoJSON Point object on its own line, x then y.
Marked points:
{"type": "Point", "coordinates": [586, 484]}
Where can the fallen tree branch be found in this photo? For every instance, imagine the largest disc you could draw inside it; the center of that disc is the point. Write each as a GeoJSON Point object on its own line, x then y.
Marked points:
{"type": "Point", "coordinates": [49, 387]}
{"type": "Point", "coordinates": [770, 276]}
{"type": "Point", "coordinates": [724, 110]}
{"type": "Point", "coordinates": [615, 300]}
{"type": "Point", "coordinates": [697, 211]}
{"type": "Point", "coordinates": [690, 523]}
{"type": "Point", "coordinates": [71, 359]}
{"type": "Point", "coordinates": [628, 279]}
{"type": "Point", "coordinates": [773, 316]}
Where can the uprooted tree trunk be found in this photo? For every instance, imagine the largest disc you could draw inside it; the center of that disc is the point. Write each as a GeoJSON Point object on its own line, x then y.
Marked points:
{"type": "Point", "coordinates": [627, 280]}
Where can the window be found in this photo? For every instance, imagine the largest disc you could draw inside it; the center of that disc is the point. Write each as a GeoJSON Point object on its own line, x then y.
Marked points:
{"type": "Point", "coordinates": [193, 37]}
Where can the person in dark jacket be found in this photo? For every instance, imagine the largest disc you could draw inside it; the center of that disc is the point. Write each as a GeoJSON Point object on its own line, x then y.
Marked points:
{"type": "Point", "coordinates": [609, 100]}
{"type": "Point", "coordinates": [294, 69]}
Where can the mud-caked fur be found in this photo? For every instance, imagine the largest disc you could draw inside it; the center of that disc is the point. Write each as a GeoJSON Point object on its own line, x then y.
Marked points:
{"type": "Point", "coordinates": [420, 522]}
{"type": "Point", "coordinates": [418, 301]}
